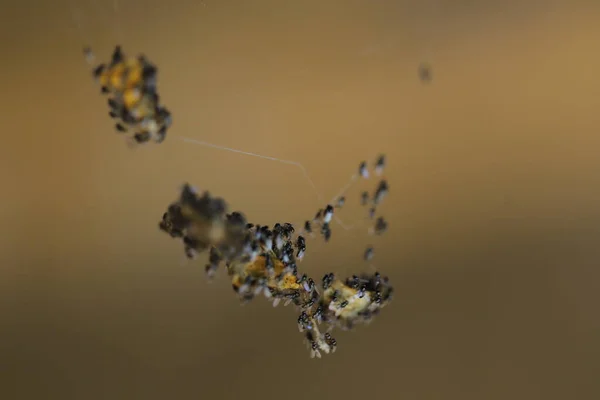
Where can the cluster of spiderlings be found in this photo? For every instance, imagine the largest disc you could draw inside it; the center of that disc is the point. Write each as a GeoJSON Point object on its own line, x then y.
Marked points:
{"type": "Point", "coordinates": [264, 261]}
{"type": "Point", "coordinates": [131, 86]}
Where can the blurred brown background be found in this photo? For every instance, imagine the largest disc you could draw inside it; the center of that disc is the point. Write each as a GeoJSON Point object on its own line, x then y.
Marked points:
{"type": "Point", "coordinates": [494, 209]}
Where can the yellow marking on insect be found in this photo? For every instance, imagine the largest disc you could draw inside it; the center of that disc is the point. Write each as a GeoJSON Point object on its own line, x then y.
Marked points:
{"type": "Point", "coordinates": [258, 269]}
{"type": "Point", "coordinates": [116, 76]}
{"type": "Point", "coordinates": [134, 73]}
{"type": "Point", "coordinates": [355, 304]}
{"type": "Point", "coordinates": [131, 98]}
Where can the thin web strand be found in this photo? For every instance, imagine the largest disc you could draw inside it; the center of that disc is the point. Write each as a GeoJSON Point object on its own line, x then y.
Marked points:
{"type": "Point", "coordinates": [270, 158]}
{"type": "Point", "coordinates": [98, 10]}
{"type": "Point", "coordinates": [344, 189]}
{"type": "Point", "coordinates": [77, 17]}
{"type": "Point", "coordinates": [117, 18]}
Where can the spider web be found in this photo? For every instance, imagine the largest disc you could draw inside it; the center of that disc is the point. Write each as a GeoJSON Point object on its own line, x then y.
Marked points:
{"type": "Point", "coordinates": [110, 19]}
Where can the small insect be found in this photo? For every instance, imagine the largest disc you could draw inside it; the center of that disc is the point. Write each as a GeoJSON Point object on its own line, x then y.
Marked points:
{"type": "Point", "coordinates": [364, 198]}
{"type": "Point", "coordinates": [300, 246]}
{"type": "Point", "coordinates": [369, 252]}
{"type": "Point", "coordinates": [381, 226]}
{"type": "Point", "coordinates": [287, 229]}
{"type": "Point", "coordinates": [328, 214]}
{"type": "Point", "coordinates": [425, 73]}
{"type": "Point", "coordinates": [363, 170]}
{"type": "Point", "coordinates": [307, 227]}
{"type": "Point", "coordinates": [330, 341]}
{"type": "Point", "coordinates": [328, 280]}
{"type": "Point", "coordinates": [372, 212]}
{"type": "Point", "coordinates": [380, 165]}
{"type": "Point", "coordinates": [381, 192]}
{"type": "Point", "coordinates": [326, 231]}
{"type": "Point", "coordinates": [318, 215]}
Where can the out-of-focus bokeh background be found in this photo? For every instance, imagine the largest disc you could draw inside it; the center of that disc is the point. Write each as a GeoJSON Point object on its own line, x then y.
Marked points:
{"type": "Point", "coordinates": [494, 208]}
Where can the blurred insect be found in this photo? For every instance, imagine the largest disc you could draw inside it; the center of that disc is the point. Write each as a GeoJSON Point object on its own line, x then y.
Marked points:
{"type": "Point", "coordinates": [425, 73]}
{"type": "Point", "coordinates": [380, 165]}
{"type": "Point", "coordinates": [380, 227]}
{"type": "Point", "coordinates": [369, 253]}
{"type": "Point", "coordinates": [130, 83]}
{"type": "Point", "coordinates": [262, 260]}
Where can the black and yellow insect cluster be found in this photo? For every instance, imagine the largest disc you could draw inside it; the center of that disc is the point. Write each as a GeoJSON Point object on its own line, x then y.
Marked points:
{"type": "Point", "coordinates": [131, 86]}
{"type": "Point", "coordinates": [259, 259]}
{"type": "Point", "coordinates": [263, 260]}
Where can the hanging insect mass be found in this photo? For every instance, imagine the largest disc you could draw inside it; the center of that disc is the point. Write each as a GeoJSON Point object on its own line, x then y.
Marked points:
{"type": "Point", "coordinates": [130, 83]}
{"type": "Point", "coordinates": [262, 260]}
